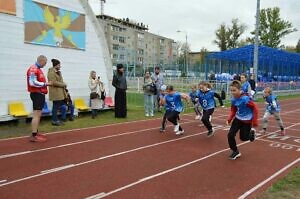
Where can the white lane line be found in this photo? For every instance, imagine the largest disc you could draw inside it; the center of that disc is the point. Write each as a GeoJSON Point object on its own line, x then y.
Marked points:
{"type": "Point", "coordinates": [81, 142]}
{"type": "Point", "coordinates": [178, 167]}
{"type": "Point", "coordinates": [58, 168]}
{"type": "Point", "coordinates": [102, 158]}
{"type": "Point", "coordinates": [93, 127]}
{"type": "Point", "coordinates": [281, 143]}
{"type": "Point", "coordinates": [247, 193]}
{"type": "Point", "coordinates": [97, 196]}
{"type": "Point", "coordinates": [2, 181]}
{"type": "Point", "coordinates": [120, 123]}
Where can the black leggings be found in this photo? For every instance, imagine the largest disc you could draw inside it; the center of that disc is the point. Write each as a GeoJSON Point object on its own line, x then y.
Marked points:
{"type": "Point", "coordinates": [244, 133]}
{"type": "Point", "coordinates": [206, 117]}
{"type": "Point", "coordinates": [173, 116]}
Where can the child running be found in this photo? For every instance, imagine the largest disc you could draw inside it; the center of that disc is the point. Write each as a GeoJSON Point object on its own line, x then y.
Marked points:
{"type": "Point", "coordinates": [161, 97]}
{"type": "Point", "coordinates": [194, 99]}
{"type": "Point", "coordinates": [272, 108]}
{"type": "Point", "coordinates": [245, 112]}
{"type": "Point", "coordinates": [206, 99]}
{"type": "Point", "coordinates": [174, 107]}
{"type": "Point", "coordinates": [246, 87]}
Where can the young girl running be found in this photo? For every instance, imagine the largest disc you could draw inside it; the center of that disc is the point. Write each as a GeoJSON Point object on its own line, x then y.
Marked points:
{"type": "Point", "coordinates": [272, 108]}
{"type": "Point", "coordinates": [174, 107]}
{"type": "Point", "coordinates": [206, 99]}
{"type": "Point", "coordinates": [245, 113]}
{"type": "Point", "coordinates": [246, 87]}
{"type": "Point", "coordinates": [195, 101]}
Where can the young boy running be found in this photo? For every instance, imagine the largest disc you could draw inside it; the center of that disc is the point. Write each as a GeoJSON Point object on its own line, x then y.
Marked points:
{"type": "Point", "coordinates": [206, 99]}
{"type": "Point", "coordinates": [245, 113]}
{"type": "Point", "coordinates": [174, 107]}
{"type": "Point", "coordinates": [272, 108]}
{"type": "Point", "coordinates": [246, 87]}
{"type": "Point", "coordinates": [194, 99]}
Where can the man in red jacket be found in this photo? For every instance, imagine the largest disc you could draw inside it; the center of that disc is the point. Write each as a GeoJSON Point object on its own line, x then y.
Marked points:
{"type": "Point", "coordinates": [37, 87]}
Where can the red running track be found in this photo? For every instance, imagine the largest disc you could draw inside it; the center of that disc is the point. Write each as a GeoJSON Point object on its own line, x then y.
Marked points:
{"type": "Point", "coordinates": [134, 160]}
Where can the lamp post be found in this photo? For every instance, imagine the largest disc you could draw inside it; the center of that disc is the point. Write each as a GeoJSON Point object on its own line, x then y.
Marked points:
{"type": "Point", "coordinates": [186, 51]}
{"type": "Point", "coordinates": [255, 57]}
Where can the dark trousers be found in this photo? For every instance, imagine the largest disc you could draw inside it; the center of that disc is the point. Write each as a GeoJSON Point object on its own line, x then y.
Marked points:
{"type": "Point", "coordinates": [205, 118]}
{"type": "Point", "coordinates": [120, 103]}
{"type": "Point", "coordinates": [236, 126]}
{"type": "Point", "coordinates": [59, 105]}
{"type": "Point", "coordinates": [173, 116]}
{"type": "Point", "coordinates": [164, 121]}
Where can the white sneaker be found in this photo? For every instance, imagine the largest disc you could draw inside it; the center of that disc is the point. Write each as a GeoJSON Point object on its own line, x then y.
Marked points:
{"type": "Point", "coordinates": [180, 132]}
{"type": "Point", "coordinates": [151, 115]}
{"type": "Point", "coordinates": [197, 117]}
{"type": "Point", "coordinates": [176, 128]}
{"type": "Point", "coordinates": [147, 115]}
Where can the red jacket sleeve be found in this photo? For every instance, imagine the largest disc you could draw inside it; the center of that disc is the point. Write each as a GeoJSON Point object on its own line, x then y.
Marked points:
{"type": "Point", "coordinates": [254, 107]}
{"type": "Point", "coordinates": [233, 111]}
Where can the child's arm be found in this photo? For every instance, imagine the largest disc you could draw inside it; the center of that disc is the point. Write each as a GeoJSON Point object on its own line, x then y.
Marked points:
{"type": "Point", "coordinates": [185, 96]}
{"type": "Point", "coordinates": [233, 111]}
{"type": "Point", "coordinates": [253, 106]}
{"type": "Point", "coordinates": [216, 95]}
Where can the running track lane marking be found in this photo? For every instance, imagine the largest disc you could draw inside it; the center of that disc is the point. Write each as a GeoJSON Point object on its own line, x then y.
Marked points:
{"type": "Point", "coordinates": [90, 140]}
{"type": "Point", "coordinates": [2, 181]}
{"type": "Point", "coordinates": [81, 142]}
{"type": "Point", "coordinates": [107, 125]}
{"type": "Point", "coordinates": [247, 193]}
{"type": "Point", "coordinates": [98, 159]}
{"type": "Point", "coordinates": [174, 169]}
{"type": "Point", "coordinates": [282, 143]}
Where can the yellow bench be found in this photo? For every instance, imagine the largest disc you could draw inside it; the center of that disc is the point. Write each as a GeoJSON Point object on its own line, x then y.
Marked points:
{"type": "Point", "coordinates": [80, 105]}
{"type": "Point", "coordinates": [17, 109]}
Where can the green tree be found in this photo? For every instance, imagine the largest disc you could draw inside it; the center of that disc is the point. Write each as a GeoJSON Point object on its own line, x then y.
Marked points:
{"type": "Point", "coordinates": [273, 28]}
{"type": "Point", "coordinates": [298, 46]}
{"type": "Point", "coordinates": [227, 37]}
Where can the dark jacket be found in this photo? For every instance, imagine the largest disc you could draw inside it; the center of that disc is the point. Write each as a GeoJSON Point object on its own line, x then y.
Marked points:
{"type": "Point", "coordinates": [119, 81]}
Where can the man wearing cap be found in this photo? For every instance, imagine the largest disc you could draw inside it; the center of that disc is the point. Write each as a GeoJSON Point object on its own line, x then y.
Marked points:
{"type": "Point", "coordinates": [57, 93]}
{"type": "Point", "coordinates": [119, 82]}
{"type": "Point", "coordinates": [159, 81]}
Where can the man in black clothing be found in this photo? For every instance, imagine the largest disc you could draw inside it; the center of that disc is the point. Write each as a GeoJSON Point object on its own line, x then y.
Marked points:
{"type": "Point", "coordinates": [252, 84]}
{"type": "Point", "coordinates": [119, 82]}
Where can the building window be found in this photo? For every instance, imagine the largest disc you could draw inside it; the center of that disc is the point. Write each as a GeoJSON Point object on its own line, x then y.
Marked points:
{"type": "Point", "coordinates": [115, 38]}
{"type": "Point", "coordinates": [115, 46]}
{"type": "Point", "coordinates": [114, 56]}
{"type": "Point", "coordinates": [122, 39]}
{"type": "Point", "coordinates": [140, 36]}
{"type": "Point", "coordinates": [115, 28]}
{"type": "Point", "coordinates": [140, 43]}
{"type": "Point", "coordinates": [140, 51]}
{"type": "Point", "coordinates": [122, 57]}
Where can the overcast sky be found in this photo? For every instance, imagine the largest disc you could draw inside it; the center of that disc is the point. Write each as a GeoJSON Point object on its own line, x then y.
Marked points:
{"type": "Point", "coordinates": [199, 18]}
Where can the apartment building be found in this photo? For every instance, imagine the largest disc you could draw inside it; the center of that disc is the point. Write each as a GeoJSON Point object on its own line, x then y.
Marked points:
{"type": "Point", "coordinates": [132, 44]}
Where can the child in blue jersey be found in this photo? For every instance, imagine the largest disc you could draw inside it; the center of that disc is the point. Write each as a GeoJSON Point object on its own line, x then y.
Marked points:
{"type": "Point", "coordinates": [162, 95]}
{"type": "Point", "coordinates": [246, 87]}
{"type": "Point", "coordinates": [206, 98]}
{"type": "Point", "coordinates": [272, 108]}
{"type": "Point", "coordinates": [245, 113]}
{"type": "Point", "coordinates": [174, 107]}
{"type": "Point", "coordinates": [193, 96]}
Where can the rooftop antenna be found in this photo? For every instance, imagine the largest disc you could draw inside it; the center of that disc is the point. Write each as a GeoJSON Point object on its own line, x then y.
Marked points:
{"type": "Point", "coordinates": [102, 2]}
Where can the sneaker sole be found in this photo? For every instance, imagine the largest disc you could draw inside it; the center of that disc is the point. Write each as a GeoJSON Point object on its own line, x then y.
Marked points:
{"type": "Point", "coordinates": [237, 156]}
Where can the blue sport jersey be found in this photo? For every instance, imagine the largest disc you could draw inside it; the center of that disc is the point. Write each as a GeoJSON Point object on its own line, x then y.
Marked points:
{"type": "Point", "coordinates": [173, 102]}
{"type": "Point", "coordinates": [206, 99]}
{"type": "Point", "coordinates": [193, 96]}
{"type": "Point", "coordinates": [243, 111]}
{"type": "Point", "coordinates": [273, 105]}
{"type": "Point", "coordinates": [246, 87]}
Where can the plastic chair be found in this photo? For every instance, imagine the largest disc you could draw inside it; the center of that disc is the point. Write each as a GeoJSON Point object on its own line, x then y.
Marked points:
{"type": "Point", "coordinates": [17, 109]}
{"type": "Point", "coordinates": [80, 105]}
{"type": "Point", "coordinates": [45, 110]}
{"type": "Point", "coordinates": [109, 102]}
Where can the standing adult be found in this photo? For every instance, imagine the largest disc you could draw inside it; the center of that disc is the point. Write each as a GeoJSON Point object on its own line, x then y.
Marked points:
{"type": "Point", "coordinates": [37, 87]}
{"type": "Point", "coordinates": [119, 82]}
{"type": "Point", "coordinates": [57, 92]}
{"type": "Point", "coordinates": [96, 87]}
{"type": "Point", "coordinates": [158, 79]}
{"type": "Point", "coordinates": [148, 94]}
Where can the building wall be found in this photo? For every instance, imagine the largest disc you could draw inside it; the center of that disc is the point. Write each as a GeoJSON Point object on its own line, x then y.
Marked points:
{"type": "Point", "coordinates": [16, 56]}
{"type": "Point", "coordinates": [140, 46]}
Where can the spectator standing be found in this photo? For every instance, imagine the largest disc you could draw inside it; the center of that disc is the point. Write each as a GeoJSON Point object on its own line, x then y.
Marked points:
{"type": "Point", "coordinates": [148, 94]}
{"type": "Point", "coordinates": [158, 79]}
{"type": "Point", "coordinates": [96, 86]}
{"type": "Point", "coordinates": [119, 82]}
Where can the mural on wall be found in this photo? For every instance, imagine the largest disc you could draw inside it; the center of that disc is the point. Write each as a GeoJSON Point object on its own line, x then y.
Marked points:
{"type": "Point", "coordinates": [8, 6]}
{"type": "Point", "coordinates": [51, 26]}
